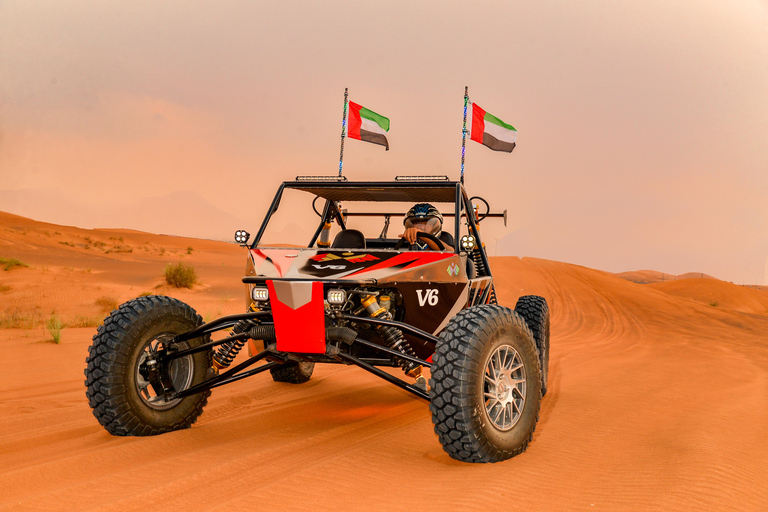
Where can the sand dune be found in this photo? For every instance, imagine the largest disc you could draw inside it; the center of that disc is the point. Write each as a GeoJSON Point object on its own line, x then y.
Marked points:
{"type": "Point", "coordinates": [719, 294]}
{"type": "Point", "coordinates": [656, 401]}
{"type": "Point", "coordinates": [654, 276]}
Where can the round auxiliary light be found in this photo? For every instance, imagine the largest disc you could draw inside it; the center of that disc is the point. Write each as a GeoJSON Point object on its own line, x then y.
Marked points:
{"type": "Point", "coordinates": [260, 294]}
{"type": "Point", "coordinates": [241, 236]}
{"type": "Point", "coordinates": [337, 297]}
{"type": "Point", "coordinates": [468, 242]}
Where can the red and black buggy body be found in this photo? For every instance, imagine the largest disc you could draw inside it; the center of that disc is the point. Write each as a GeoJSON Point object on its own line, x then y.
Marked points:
{"type": "Point", "coordinates": [345, 298]}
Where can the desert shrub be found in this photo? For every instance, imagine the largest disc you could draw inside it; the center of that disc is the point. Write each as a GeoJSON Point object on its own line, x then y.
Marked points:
{"type": "Point", "coordinates": [119, 248]}
{"type": "Point", "coordinates": [106, 303]}
{"type": "Point", "coordinates": [180, 275]}
{"type": "Point", "coordinates": [84, 321]}
{"type": "Point", "coordinates": [11, 263]}
{"type": "Point", "coordinates": [145, 294]}
{"type": "Point", "coordinates": [189, 250]}
{"type": "Point", "coordinates": [54, 327]}
{"type": "Point", "coordinates": [4, 288]}
{"type": "Point", "coordinates": [17, 320]}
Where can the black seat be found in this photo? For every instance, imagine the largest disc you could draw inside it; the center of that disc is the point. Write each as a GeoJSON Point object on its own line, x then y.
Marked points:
{"type": "Point", "coordinates": [446, 238]}
{"type": "Point", "coordinates": [349, 238]}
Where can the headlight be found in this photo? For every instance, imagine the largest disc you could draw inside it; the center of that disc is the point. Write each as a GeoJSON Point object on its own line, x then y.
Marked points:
{"type": "Point", "coordinates": [337, 297]}
{"type": "Point", "coordinates": [242, 236]}
{"type": "Point", "coordinates": [468, 242]}
{"type": "Point", "coordinates": [260, 294]}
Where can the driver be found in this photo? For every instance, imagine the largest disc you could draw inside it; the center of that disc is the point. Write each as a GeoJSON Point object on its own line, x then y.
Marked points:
{"type": "Point", "coordinates": [423, 217]}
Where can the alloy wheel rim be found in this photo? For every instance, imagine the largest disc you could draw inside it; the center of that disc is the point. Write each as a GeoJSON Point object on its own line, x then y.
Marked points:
{"type": "Point", "coordinates": [181, 373]}
{"type": "Point", "coordinates": [504, 387]}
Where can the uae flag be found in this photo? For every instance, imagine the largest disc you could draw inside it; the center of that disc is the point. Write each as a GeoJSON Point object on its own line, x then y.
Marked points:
{"type": "Point", "coordinates": [367, 125]}
{"type": "Point", "coordinates": [492, 131]}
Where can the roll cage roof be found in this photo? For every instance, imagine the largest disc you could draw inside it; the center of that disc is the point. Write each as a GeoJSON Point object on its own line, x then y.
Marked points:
{"type": "Point", "coordinates": [387, 191]}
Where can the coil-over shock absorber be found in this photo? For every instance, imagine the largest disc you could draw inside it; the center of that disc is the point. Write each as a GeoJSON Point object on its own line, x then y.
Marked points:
{"type": "Point", "coordinates": [477, 257]}
{"type": "Point", "coordinates": [229, 350]}
{"type": "Point", "coordinates": [393, 336]}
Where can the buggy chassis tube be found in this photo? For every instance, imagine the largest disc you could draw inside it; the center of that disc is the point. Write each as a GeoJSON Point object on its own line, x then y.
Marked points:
{"type": "Point", "coordinates": [231, 375]}
{"type": "Point", "coordinates": [218, 324]}
{"type": "Point", "coordinates": [392, 323]}
{"type": "Point", "coordinates": [206, 346]}
{"type": "Point", "coordinates": [384, 375]}
{"type": "Point", "coordinates": [391, 352]}
{"type": "Point", "coordinates": [334, 282]}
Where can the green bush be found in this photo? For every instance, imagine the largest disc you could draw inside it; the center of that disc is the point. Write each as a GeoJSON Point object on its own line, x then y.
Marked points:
{"type": "Point", "coordinates": [10, 263]}
{"type": "Point", "coordinates": [180, 275]}
{"type": "Point", "coordinates": [54, 326]}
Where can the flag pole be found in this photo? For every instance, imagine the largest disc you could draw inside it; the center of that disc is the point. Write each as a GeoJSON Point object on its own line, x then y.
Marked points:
{"type": "Point", "coordinates": [343, 131]}
{"type": "Point", "coordinates": [463, 132]}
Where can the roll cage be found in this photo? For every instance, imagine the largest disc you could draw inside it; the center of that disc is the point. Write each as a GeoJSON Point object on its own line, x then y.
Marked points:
{"type": "Point", "coordinates": [334, 190]}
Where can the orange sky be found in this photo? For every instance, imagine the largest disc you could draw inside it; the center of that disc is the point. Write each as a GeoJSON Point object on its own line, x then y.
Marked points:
{"type": "Point", "coordinates": [641, 124]}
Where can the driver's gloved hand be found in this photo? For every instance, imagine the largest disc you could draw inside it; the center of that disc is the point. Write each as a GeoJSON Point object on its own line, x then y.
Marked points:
{"type": "Point", "coordinates": [410, 234]}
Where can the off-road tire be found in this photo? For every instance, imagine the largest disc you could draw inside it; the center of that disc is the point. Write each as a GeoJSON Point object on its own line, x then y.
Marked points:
{"type": "Point", "coordinates": [458, 404]}
{"type": "Point", "coordinates": [535, 311]}
{"type": "Point", "coordinates": [113, 360]}
{"type": "Point", "coordinates": [293, 373]}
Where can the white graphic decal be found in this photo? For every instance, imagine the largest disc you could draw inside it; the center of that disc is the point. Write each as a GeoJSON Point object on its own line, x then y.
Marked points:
{"type": "Point", "coordinates": [429, 297]}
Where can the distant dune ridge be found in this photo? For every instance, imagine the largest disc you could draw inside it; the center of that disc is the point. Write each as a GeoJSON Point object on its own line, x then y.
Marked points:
{"type": "Point", "coordinates": [180, 213]}
{"type": "Point", "coordinates": [656, 399]}
{"type": "Point", "coordinates": [652, 276]}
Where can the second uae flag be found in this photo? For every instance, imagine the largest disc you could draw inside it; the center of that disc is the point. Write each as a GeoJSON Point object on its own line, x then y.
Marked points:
{"type": "Point", "coordinates": [367, 125]}
{"type": "Point", "coordinates": [491, 131]}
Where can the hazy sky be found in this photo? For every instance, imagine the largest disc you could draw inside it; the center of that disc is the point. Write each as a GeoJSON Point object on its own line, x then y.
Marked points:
{"type": "Point", "coordinates": [641, 125]}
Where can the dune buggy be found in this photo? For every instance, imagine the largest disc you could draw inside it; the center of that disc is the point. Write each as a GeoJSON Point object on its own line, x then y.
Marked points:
{"type": "Point", "coordinates": [339, 296]}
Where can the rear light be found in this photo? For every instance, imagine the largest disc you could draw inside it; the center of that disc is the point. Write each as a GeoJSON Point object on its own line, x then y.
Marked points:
{"type": "Point", "coordinates": [468, 242]}
{"type": "Point", "coordinates": [260, 294]}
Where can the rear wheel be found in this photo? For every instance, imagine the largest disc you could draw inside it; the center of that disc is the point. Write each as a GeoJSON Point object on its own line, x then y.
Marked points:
{"type": "Point", "coordinates": [294, 373]}
{"type": "Point", "coordinates": [535, 311]}
{"type": "Point", "coordinates": [485, 388]}
{"type": "Point", "coordinates": [118, 386]}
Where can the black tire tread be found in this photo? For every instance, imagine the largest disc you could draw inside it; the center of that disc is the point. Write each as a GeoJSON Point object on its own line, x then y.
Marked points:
{"type": "Point", "coordinates": [292, 373]}
{"type": "Point", "coordinates": [452, 370]}
{"type": "Point", "coordinates": [535, 312]}
{"type": "Point", "coordinates": [109, 354]}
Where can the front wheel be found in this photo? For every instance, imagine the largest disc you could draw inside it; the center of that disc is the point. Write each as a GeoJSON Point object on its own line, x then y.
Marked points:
{"type": "Point", "coordinates": [118, 386]}
{"type": "Point", "coordinates": [485, 388]}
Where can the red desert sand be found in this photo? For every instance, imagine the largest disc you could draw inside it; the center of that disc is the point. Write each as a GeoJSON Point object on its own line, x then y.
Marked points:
{"type": "Point", "coordinates": [657, 401]}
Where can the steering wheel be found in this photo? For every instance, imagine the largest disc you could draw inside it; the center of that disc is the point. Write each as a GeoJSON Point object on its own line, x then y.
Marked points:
{"type": "Point", "coordinates": [487, 208]}
{"type": "Point", "coordinates": [431, 240]}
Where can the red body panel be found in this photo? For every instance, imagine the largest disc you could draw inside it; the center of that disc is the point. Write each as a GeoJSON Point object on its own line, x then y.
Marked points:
{"type": "Point", "coordinates": [301, 329]}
